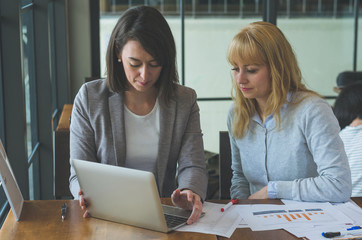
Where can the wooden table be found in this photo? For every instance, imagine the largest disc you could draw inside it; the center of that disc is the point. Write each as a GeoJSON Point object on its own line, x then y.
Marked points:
{"type": "Point", "coordinates": [42, 220]}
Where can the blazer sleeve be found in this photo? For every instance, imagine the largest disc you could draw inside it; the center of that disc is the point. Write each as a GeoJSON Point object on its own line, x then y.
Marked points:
{"type": "Point", "coordinates": [82, 144]}
{"type": "Point", "coordinates": [192, 172]}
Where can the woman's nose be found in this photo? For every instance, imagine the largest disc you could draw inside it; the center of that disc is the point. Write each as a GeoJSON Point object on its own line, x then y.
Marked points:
{"type": "Point", "coordinates": [241, 77]}
{"type": "Point", "coordinates": [144, 72]}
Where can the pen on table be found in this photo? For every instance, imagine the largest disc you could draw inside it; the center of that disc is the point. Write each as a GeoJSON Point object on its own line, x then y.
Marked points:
{"type": "Point", "coordinates": [64, 211]}
{"type": "Point", "coordinates": [232, 202]}
{"type": "Point", "coordinates": [350, 231]}
{"type": "Point", "coordinates": [351, 237]}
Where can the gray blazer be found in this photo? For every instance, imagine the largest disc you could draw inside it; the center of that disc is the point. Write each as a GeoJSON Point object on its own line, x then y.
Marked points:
{"type": "Point", "coordinates": [97, 133]}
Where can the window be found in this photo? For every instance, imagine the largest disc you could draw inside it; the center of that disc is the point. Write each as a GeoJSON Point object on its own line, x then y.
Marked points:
{"type": "Point", "coordinates": [33, 86]}
{"type": "Point", "coordinates": [9, 76]}
{"type": "Point", "coordinates": [51, 19]}
{"type": "Point", "coordinates": [30, 95]}
{"type": "Point", "coordinates": [4, 206]}
{"type": "Point", "coordinates": [322, 36]}
{"type": "Point", "coordinates": [2, 128]}
{"type": "Point", "coordinates": [327, 27]}
{"type": "Point", "coordinates": [209, 27]}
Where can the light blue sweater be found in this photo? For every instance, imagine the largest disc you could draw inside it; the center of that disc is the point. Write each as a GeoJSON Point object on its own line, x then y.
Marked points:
{"type": "Point", "coordinates": [304, 159]}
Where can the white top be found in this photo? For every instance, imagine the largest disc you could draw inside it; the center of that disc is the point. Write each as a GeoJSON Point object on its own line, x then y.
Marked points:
{"type": "Point", "coordinates": [142, 136]}
{"type": "Point", "coordinates": [352, 138]}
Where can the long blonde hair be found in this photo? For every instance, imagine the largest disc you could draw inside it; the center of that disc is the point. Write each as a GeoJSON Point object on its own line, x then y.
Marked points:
{"type": "Point", "coordinates": [264, 43]}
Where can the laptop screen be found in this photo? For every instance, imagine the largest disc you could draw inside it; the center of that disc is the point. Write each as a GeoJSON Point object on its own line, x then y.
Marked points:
{"type": "Point", "coordinates": [120, 194]}
{"type": "Point", "coordinates": [10, 185]}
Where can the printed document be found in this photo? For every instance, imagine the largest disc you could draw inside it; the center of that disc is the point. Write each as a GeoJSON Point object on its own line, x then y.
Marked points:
{"type": "Point", "coordinates": [216, 222]}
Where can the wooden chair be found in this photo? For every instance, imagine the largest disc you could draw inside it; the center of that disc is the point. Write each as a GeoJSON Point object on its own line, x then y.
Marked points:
{"type": "Point", "coordinates": [225, 172]}
{"type": "Point", "coordinates": [61, 155]}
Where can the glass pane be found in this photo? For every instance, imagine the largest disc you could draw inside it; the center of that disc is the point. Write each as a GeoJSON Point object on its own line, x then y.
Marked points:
{"type": "Point", "coordinates": [34, 181]}
{"type": "Point", "coordinates": [52, 57]}
{"type": "Point", "coordinates": [3, 208]}
{"type": "Point", "coordinates": [2, 137]}
{"type": "Point", "coordinates": [106, 25]}
{"type": "Point", "coordinates": [29, 83]}
{"type": "Point", "coordinates": [206, 42]}
{"type": "Point", "coordinates": [26, 2]}
{"type": "Point", "coordinates": [29, 78]}
{"type": "Point", "coordinates": [323, 46]}
{"type": "Point", "coordinates": [2, 127]}
{"type": "Point", "coordinates": [213, 119]}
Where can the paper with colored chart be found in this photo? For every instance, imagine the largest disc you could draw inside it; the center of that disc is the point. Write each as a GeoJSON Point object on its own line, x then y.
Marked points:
{"type": "Point", "coordinates": [214, 221]}
{"type": "Point", "coordinates": [350, 209]}
{"type": "Point", "coordinates": [267, 217]}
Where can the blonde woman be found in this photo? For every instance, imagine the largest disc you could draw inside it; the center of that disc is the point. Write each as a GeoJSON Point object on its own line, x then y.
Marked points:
{"type": "Point", "coordinates": [284, 137]}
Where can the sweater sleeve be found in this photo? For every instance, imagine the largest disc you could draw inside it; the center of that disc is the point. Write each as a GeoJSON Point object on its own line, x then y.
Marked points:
{"type": "Point", "coordinates": [321, 131]}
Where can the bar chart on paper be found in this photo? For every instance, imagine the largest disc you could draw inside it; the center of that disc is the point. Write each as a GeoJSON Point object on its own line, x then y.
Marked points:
{"type": "Point", "coordinates": [293, 215]}
{"type": "Point", "coordinates": [267, 217]}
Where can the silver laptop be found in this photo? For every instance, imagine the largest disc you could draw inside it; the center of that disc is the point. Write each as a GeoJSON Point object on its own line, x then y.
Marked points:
{"type": "Point", "coordinates": [126, 196]}
{"type": "Point", "coordinates": [8, 181]}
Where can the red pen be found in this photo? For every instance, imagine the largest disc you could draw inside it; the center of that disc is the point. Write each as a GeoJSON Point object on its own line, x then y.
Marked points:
{"type": "Point", "coordinates": [232, 202]}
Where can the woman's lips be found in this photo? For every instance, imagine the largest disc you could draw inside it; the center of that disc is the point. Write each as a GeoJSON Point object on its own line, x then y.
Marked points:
{"type": "Point", "coordinates": [143, 83]}
{"type": "Point", "coordinates": [243, 89]}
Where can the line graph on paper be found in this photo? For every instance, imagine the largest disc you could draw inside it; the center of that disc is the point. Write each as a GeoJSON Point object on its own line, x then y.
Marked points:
{"type": "Point", "coordinates": [293, 215]}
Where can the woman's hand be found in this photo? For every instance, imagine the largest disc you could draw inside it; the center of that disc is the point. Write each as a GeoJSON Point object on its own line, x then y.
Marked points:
{"type": "Point", "coordinates": [187, 199]}
{"type": "Point", "coordinates": [83, 204]}
{"type": "Point", "coordinates": [261, 194]}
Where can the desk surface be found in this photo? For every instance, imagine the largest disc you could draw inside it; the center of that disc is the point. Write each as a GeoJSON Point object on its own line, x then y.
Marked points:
{"type": "Point", "coordinates": [42, 220]}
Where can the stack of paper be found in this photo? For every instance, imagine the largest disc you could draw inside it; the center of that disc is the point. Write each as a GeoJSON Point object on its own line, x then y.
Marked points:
{"type": "Point", "coordinates": [216, 222]}
{"type": "Point", "coordinates": [349, 209]}
{"type": "Point", "coordinates": [268, 217]}
{"type": "Point", "coordinates": [302, 219]}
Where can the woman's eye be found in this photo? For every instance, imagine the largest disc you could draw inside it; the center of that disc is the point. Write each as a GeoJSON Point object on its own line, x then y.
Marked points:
{"type": "Point", "coordinates": [134, 65]}
{"type": "Point", "coordinates": [251, 70]}
{"type": "Point", "coordinates": [236, 69]}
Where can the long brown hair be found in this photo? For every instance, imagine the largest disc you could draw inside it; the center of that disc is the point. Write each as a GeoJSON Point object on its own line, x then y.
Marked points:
{"type": "Point", "coordinates": [147, 26]}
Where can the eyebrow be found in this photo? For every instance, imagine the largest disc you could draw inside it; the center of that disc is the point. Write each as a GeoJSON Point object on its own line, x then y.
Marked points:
{"type": "Point", "coordinates": [136, 59]}
{"type": "Point", "coordinates": [253, 64]}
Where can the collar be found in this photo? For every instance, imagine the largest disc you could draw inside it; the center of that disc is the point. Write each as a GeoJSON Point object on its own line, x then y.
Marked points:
{"type": "Point", "coordinates": [269, 120]}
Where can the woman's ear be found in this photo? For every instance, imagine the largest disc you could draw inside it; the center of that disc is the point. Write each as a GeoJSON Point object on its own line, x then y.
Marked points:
{"type": "Point", "coordinates": [118, 53]}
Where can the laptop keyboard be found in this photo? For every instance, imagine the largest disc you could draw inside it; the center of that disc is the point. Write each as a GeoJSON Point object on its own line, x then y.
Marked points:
{"type": "Point", "coordinates": [174, 221]}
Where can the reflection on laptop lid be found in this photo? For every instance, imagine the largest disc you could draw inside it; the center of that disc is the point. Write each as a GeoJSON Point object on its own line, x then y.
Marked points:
{"type": "Point", "coordinates": [10, 185]}
{"type": "Point", "coordinates": [125, 196]}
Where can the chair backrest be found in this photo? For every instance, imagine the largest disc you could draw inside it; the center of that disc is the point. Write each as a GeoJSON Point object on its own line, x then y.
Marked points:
{"type": "Point", "coordinates": [61, 155]}
{"type": "Point", "coordinates": [225, 172]}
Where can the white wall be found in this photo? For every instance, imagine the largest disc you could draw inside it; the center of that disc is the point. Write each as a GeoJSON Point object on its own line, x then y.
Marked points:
{"type": "Point", "coordinates": [79, 43]}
